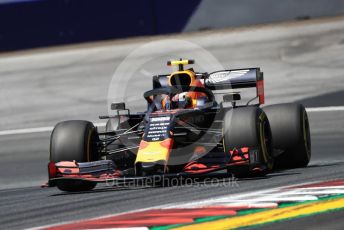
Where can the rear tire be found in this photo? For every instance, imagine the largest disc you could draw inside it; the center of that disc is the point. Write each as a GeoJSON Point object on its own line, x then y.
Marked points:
{"type": "Point", "coordinates": [248, 127]}
{"type": "Point", "coordinates": [74, 141]}
{"type": "Point", "coordinates": [291, 134]}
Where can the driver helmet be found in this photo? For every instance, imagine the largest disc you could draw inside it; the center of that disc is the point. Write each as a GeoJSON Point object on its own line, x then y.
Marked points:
{"type": "Point", "coordinates": [186, 99]}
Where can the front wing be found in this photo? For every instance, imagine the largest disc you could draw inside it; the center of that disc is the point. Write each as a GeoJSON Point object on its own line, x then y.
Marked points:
{"type": "Point", "coordinates": [104, 171]}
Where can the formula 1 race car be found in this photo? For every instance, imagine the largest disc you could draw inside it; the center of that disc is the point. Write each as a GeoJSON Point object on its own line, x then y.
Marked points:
{"type": "Point", "coordinates": [185, 131]}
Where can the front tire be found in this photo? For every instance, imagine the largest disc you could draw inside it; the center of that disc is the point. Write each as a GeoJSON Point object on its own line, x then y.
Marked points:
{"type": "Point", "coordinates": [74, 141]}
{"type": "Point", "coordinates": [249, 127]}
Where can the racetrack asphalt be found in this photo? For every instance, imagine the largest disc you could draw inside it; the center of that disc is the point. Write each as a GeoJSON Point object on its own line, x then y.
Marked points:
{"type": "Point", "coordinates": [302, 61]}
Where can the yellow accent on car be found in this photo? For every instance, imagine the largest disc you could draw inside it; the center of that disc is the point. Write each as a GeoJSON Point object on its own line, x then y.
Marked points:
{"type": "Point", "coordinates": [183, 73]}
{"type": "Point", "coordinates": [180, 62]}
{"type": "Point", "coordinates": [153, 152]}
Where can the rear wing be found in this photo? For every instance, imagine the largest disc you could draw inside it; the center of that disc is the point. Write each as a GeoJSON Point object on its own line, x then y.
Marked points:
{"type": "Point", "coordinates": [225, 79]}
{"type": "Point", "coordinates": [237, 78]}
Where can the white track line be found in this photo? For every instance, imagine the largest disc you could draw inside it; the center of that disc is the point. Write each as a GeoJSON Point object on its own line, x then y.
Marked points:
{"type": "Point", "coordinates": [24, 131]}
{"type": "Point", "coordinates": [35, 130]}
{"type": "Point", "coordinates": [50, 128]}
{"type": "Point", "coordinates": [325, 109]}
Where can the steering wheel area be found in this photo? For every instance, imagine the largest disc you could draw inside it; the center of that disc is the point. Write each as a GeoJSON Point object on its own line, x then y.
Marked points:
{"type": "Point", "coordinates": [154, 96]}
{"type": "Point", "coordinates": [171, 91]}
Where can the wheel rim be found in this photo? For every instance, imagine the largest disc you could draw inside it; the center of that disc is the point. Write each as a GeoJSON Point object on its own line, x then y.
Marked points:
{"type": "Point", "coordinates": [306, 134]}
{"type": "Point", "coordinates": [91, 146]}
{"type": "Point", "coordinates": [266, 141]}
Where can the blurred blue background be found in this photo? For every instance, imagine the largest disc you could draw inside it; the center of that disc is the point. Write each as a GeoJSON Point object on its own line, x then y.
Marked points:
{"type": "Point", "coordinates": [28, 24]}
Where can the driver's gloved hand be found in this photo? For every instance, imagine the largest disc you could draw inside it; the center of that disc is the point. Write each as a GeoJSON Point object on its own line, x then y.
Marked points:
{"type": "Point", "coordinates": [185, 102]}
{"type": "Point", "coordinates": [167, 103]}
{"type": "Point", "coordinates": [181, 101]}
{"type": "Point", "coordinates": [188, 101]}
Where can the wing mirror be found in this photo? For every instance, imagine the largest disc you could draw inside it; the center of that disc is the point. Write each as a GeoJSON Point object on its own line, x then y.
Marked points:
{"type": "Point", "coordinates": [118, 106]}
{"type": "Point", "coordinates": [231, 97]}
